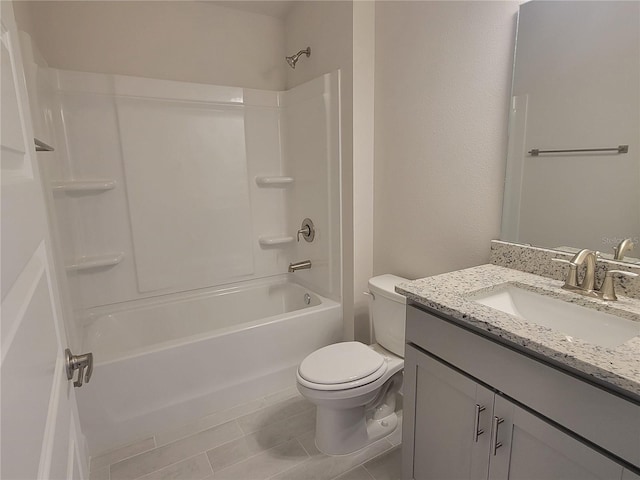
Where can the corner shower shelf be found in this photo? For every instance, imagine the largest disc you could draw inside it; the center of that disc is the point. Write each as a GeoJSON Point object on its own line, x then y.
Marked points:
{"type": "Point", "coordinates": [83, 185]}
{"type": "Point", "coordinates": [95, 261]}
{"type": "Point", "coordinates": [275, 240]}
{"type": "Point", "coordinates": [273, 181]}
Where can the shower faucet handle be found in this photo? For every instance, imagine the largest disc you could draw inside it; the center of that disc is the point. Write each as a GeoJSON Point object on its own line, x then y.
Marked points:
{"type": "Point", "coordinates": [80, 363]}
{"type": "Point", "coordinates": [304, 231]}
{"type": "Point", "coordinates": [307, 230]}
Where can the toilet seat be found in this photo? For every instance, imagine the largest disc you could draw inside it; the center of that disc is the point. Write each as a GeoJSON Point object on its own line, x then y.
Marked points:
{"type": "Point", "coordinates": [341, 366]}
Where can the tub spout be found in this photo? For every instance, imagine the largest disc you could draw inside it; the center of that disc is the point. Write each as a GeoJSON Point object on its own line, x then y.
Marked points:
{"type": "Point", "coordinates": [304, 265]}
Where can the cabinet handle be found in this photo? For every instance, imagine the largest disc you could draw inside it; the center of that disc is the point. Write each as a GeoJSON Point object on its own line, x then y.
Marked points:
{"type": "Point", "coordinates": [477, 431]}
{"type": "Point", "coordinates": [496, 444]}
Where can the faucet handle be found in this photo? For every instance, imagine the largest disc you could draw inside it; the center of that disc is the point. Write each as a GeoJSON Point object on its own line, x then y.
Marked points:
{"type": "Point", "coordinates": [572, 276]}
{"type": "Point", "coordinates": [564, 260]}
{"type": "Point", "coordinates": [307, 230]}
{"type": "Point", "coordinates": [608, 286]}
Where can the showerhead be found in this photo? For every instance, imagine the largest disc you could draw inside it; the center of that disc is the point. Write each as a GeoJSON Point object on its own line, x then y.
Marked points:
{"type": "Point", "coordinates": [293, 59]}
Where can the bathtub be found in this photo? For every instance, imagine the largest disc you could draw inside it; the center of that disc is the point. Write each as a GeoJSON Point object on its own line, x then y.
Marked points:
{"type": "Point", "coordinates": [162, 362]}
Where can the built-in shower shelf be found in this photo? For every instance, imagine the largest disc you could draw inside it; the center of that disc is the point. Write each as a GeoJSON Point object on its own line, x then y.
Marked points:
{"type": "Point", "coordinates": [273, 181]}
{"type": "Point", "coordinates": [83, 185]}
{"type": "Point", "coordinates": [275, 240]}
{"type": "Point", "coordinates": [95, 261]}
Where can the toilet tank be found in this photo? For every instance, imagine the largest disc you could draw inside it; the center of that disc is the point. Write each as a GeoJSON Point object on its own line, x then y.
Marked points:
{"type": "Point", "coordinates": [387, 310]}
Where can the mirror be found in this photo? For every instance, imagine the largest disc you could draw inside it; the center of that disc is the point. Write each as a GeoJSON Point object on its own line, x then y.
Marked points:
{"type": "Point", "coordinates": [576, 86]}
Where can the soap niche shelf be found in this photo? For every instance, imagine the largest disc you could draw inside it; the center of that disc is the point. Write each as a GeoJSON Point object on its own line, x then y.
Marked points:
{"type": "Point", "coordinates": [266, 181]}
{"type": "Point", "coordinates": [275, 240]}
{"type": "Point", "coordinates": [83, 186]}
{"type": "Point", "coordinates": [90, 262]}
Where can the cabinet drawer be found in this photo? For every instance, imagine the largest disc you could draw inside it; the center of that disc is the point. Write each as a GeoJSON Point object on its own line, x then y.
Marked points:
{"type": "Point", "coordinates": [607, 420]}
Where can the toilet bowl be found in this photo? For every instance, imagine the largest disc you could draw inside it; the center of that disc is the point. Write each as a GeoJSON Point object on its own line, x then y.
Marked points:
{"type": "Point", "coordinates": [353, 385]}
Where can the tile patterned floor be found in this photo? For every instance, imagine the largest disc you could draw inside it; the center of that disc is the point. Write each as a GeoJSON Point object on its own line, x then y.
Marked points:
{"type": "Point", "coordinates": [271, 438]}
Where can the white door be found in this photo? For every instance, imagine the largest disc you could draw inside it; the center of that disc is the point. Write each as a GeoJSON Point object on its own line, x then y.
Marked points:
{"type": "Point", "coordinates": [39, 424]}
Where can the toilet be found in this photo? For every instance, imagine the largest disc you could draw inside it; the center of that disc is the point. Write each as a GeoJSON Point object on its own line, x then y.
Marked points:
{"type": "Point", "coordinates": [353, 385]}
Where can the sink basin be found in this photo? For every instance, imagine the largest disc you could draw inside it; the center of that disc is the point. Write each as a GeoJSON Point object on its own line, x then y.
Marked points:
{"type": "Point", "coordinates": [572, 320]}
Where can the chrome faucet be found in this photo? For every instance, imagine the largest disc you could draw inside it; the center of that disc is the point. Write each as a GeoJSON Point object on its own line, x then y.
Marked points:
{"type": "Point", "coordinates": [304, 265]}
{"type": "Point", "coordinates": [623, 247]}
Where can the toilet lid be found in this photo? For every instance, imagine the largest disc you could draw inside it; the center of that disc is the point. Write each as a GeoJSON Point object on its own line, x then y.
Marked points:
{"type": "Point", "coordinates": [341, 363]}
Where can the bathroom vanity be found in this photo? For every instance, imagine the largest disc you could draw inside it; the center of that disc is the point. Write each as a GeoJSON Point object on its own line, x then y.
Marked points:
{"type": "Point", "coordinates": [491, 395]}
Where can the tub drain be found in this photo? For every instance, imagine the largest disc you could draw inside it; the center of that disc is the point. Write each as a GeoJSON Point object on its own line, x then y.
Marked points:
{"type": "Point", "coordinates": [307, 299]}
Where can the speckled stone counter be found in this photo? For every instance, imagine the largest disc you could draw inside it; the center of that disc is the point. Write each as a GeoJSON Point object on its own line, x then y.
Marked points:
{"type": "Point", "coordinates": [451, 294]}
{"type": "Point", "coordinates": [538, 260]}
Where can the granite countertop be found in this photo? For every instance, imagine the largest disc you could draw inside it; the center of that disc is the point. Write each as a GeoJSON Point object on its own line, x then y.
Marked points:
{"type": "Point", "coordinates": [452, 294]}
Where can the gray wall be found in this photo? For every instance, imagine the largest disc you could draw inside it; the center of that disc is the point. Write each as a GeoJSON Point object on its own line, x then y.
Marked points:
{"type": "Point", "coordinates": [442, 88]}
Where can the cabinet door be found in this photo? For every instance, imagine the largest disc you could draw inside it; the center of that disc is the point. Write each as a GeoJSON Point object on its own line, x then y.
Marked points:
{"type": "Point", "coordinates": [445, 438]}
{"type": "Point", "coordinates": [530, 448]}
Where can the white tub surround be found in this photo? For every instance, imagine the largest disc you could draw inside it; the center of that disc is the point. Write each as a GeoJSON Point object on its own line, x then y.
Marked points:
{"type": "Point", "coordinates": [192, 185]}
{"type": "Point", "coordinates": [452, 294]}
{"type": "Point", "coordinates": [166, 361]}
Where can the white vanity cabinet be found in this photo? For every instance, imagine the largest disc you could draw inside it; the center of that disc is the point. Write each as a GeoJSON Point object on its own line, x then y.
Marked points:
{"type": "Point", "coordinates": [472, 411]}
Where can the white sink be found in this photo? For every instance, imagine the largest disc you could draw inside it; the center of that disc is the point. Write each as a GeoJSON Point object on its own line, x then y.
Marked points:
{"type": "Point", "coordinates": [572, 320]}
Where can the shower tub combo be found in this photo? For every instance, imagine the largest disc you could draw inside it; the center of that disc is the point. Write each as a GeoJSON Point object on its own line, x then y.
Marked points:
{"type": "Point", "coordinates": [175, 334]}
{"type": "Point", "coordinates": [168, 360]}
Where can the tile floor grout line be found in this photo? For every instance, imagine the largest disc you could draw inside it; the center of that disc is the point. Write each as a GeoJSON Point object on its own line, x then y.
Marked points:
{"type": "Point", "coordinates": [367, 470]}
{"type": "Point", "coordinates": [195, 432]}
{"type": "Point", "coordinates": [170, 465]}
{"type": "Point", "coordinates": [292, 466]}
{"type": "Point", "coordinates": [354, 468]}
{"type": "Point", "coordinates": [217, 424]}
{"type": "Point", "coordinates": [198, 430]}
{"type": "Point", "coordinates": [259, 399]}
{"type": "Point", "coordinates": [230, 441]}
{"type": "Point", "coordinates": [302, 444]}
{"type": "Point", "coordinates": [127, 458]}
{"type": "Point", "coordinates": [107, 467]}
{"type": "Point", "coordinates": [250, 412]}
{"type": "Point", "coordinates": [233, 420]}
{"type": "Point", "coordinates": [259, 453]}
{"type": "Point", "coordinates": [213, 472]}
{"type": "Point", "coordinates": [384, 452]}
{"type": "Point", "coordinates": [162, 446]}
{"type": "Point", "coordinates": [123, 447]}
{"type": "Point", "coordinates": [391, 446]}
{"type": "Point", "coordinates": [284, 426]}
{"type": "Point", "coordinates": [273, 423]}
{"type": "Point", "coordinates": [124, 458]}
{"type": "Point", "coordinates": [340, 474]}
